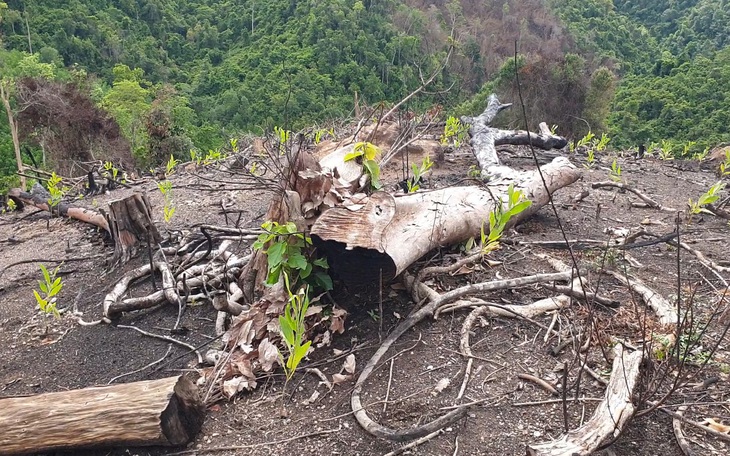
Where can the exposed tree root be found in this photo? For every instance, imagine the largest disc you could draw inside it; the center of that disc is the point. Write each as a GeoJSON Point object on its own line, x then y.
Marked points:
{"type": "Point", "coordinates": [610, 416]}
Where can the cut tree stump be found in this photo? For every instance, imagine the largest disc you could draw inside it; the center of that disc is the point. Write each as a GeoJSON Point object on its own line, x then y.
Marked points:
{"type": "Point", "coordinates": [130, 223]}
{"type": "Point", "coordinates": [165, 412]}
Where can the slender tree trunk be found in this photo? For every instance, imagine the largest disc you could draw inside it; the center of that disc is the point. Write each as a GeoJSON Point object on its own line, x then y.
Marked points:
{"type": "Point", "coordinates": [5, 95]}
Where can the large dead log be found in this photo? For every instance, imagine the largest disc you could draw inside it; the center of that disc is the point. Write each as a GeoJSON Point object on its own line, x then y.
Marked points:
{"type": "Point", "coordinates": [166, 412]}
{"type": "Point", "coordinates": [130, 223]}
{"type": "Point", "coordinates": [485, 139]}
{"type": "Point", "coordinates": [388, 233]}
{"type": "Point", "coordinates": [63, 209]}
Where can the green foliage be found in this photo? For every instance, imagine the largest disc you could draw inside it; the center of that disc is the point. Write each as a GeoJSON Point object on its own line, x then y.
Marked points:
{"type": "Point", "coordinates": [286, 248]}
{"type": "Point", "coordinates": [725, 165]}
{"type": "Point", "coordinates": [168, 210]}
{"type": "Point", "coordinates": [615, 173]}
{"type": "Point", "coordinates": [170, 166]}
{"type": "Point", "coordinates": [111, 169]}
{"type": "Point", "coordinates": [685, 105]}
{"type": "Point", "coordinates": [709, 197]}
{"type": "Point", "coordinates": [49, 287]}
{"type": "Point", "coordinates": [418, 173]}
{"type": "Point", "coordinates": [500, 217]}
{"type": "Point", "coordinates": [293, 330]}
{"type": "Point", "coordinates": [367, 152]}
{"type": "Point", "coordinates": [454, 132]}
{"type": "Point", "coordinates": [282, 135]}
{"type": "Point", "coordinates": [666, 150]}
{"type": "Point", "coordinates": [56, 190]}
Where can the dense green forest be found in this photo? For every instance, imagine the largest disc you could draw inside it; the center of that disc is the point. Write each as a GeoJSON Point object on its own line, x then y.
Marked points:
{"type": "Point", "coordinates": [159, 77]}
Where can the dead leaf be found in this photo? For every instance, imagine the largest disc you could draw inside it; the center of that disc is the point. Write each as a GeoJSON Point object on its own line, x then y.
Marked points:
{"type": "Point", "coordinates": [714, 425]}
{"type": "Point", "coordinates": [246, 334]}
{"type": "Point", "coordinates": [313, 310]}
{"type": "Point", "coordinates": [340, 378]}
{"type": "Point", "coordinates": [236, 385]}
{"type": "Point", "coordinates": [268, 355]}
{"type": "Point", "coordinates": [338, 320]}
{"type": "Point", "coordinates": [337, 351]}
{"type": "Point", "coordinates": [325, 339]}
{"type": "Point", "coordinates": [312, 398]}
{"type": "Point", "coordinates": [349, 364]}
{"type": "Point", "coordinates": [440, 386]}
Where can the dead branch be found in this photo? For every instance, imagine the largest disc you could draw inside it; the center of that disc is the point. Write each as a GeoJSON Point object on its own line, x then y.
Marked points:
{"type": "Point", "coordinates": [610, 416]}
{"type": "Point", "coordinates": [539, 382]}
{"type": "Point", "coordinates": [679, 434]}
{"type": "Point", "coordinates": [167, 339]}
{"type": "Point", "coordinates": [667, 315]}
{"type": "Point", "coordinates": [650, 202]}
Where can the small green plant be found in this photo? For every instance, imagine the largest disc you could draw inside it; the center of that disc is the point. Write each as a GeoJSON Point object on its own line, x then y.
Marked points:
{"type": "Point", "coordinates": [233, 142]}
{"type": "Point", "coordinates": [414, 183]}
{"type": "Point", "coordinates": [196, 156]}
{"type": "Point", "coordinates": [725, 165]}
{"type": "Point", "coordinates": [170, 166]}
{"type": "Point", "coordinates": [10, 206]}
{"type": "Point", "coordinates": [286, 255]}
{"type": "Point", "coordinates": [686, 148]}
{"type": "Point", "coordinates": [293, 330]}
{"type": "Point", "coordinates": [213, 156]}
{"type": "Point", "coordinates": [553, 129]}
{"type": "Point", "coordinates": [602, 143]}
{"type": "Point", "coordinates": [111, 170]}
{"type": "Point", "coordinates": [666, 150]}
{"type": "Point", "coordinates": [474, 172]}
{"type": "Point", "coordinates": [584, 141]}
{"type": "Point", "coordinates": [374, 315]}
{"type": "Point", "coordinates": [321, 134]}
{"type": "Point", "coordinates": [454, 132]}
{"type": "Point", "coordinates": [50, 286]}
{"type": "Point", "coordinates": [168, 209]}
{"type": "Point", "coordinates": [500, 216]}
{"type": "Point", "coordinates": [699, 156]}
{"type": "Point", "coordinates": [283, 137]}
{"type": "Point", "coordinates": [615, 173]}
{"type": "Point", "coordinates": [709, 197]}
{"type": "Point", "coordinates": [56, 191]}
{"type": "Point", "coordinates": [590, 160]}
{"type": "Point", "coordinates": [366, 153]}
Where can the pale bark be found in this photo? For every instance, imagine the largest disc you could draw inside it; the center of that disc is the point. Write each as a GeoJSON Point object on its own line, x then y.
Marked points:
{"type": "Point", "coordinates": [485, 139]}
{"type": "Point", "coordinates": [5, 96]}
{"type": "Point", "coordinates": [609, 418]}
{"type": "Point", "coordinates": [387, 234]}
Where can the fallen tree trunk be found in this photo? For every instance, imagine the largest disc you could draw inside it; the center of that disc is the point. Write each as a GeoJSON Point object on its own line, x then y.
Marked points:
{"type": "Point", "coordinates": [485, 139]}
{"type": "Point", "coordinates": [63, 209]}
{"type": "Point", "coordinates": [387, 234]}
{"type": "Point", "coordinates": [609, 418]}
{"type": "Point", "coordinates": [156, 412]}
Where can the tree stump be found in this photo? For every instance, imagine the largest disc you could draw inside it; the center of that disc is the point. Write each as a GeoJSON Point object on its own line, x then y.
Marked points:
{"type": "Point", "coordinates": [130, 223]}
{"type": "Point", "coordinates": [166, 412]}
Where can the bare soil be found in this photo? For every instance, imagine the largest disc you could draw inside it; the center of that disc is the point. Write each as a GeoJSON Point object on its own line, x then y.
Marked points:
{"type": "Point", "coordinates": [42, 354]}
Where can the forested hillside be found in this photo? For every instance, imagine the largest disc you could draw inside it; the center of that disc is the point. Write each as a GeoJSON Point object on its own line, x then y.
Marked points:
{"type": "Point", "coordinates": [176, 74]}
